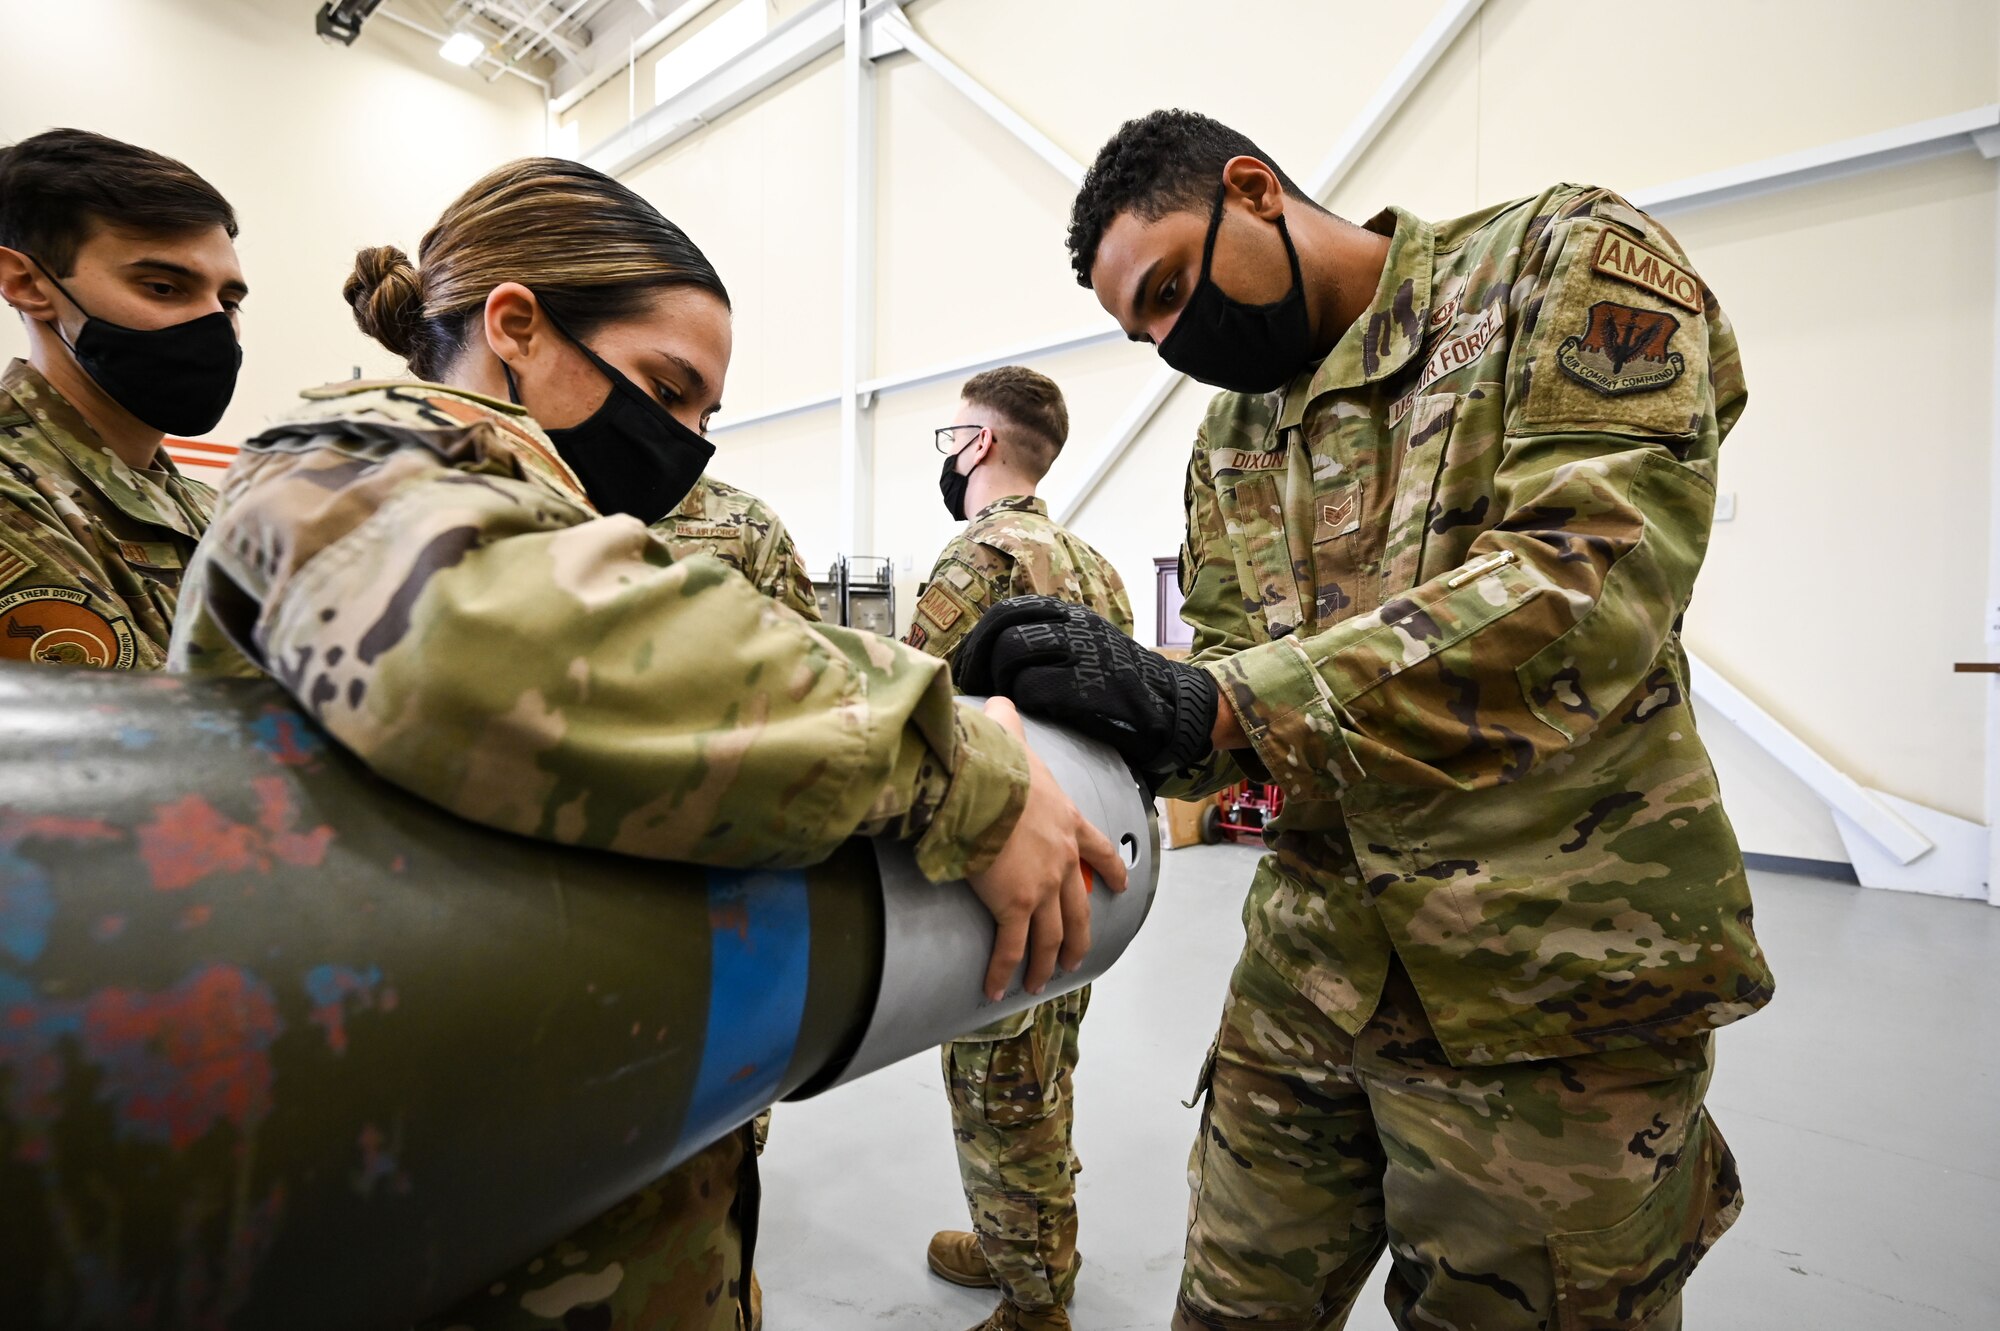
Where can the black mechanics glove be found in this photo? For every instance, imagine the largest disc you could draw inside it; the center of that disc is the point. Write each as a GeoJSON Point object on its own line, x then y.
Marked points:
{"type": "Point", "coordinates": [1072, 666]}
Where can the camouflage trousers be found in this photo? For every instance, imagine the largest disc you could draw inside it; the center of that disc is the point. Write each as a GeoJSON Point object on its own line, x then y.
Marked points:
{"type": "Point", "coordinates": [1572, 1193]}
{"type": "Point", "coordinates": [667, 1258]}
{"type": "Point", "coordinates": [1013, 1117]}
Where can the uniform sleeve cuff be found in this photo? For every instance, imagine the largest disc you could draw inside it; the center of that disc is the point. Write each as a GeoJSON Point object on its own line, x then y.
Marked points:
{"type": "Point", "coordinates": [1288, 716]}
{"type": "Point", "coordinates": [988, 790]}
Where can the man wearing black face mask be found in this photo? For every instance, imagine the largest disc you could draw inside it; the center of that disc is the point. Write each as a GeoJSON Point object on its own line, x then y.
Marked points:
{"type": "Point", "coordinates": [1012, 1105]}
{"type": "Point", "coordinates": [1441, 530]}
{"type": "Point", "coordinates": [122, 266]}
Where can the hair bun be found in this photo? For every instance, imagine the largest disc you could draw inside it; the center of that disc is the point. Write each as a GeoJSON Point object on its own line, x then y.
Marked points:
{"type": "Point", "coordinates": [388, 298]}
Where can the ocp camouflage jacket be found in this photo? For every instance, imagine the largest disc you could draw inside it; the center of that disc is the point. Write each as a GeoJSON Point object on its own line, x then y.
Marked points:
{"type": "Point", "coordinates": [1010, 548]}
{"type": "Point", "coordinates": [418, 567]}
{"type": "Point", "coordinates": [743, 532]}
{"type": "Point", "coordinates": [1440, 578]}
{"type": "Point", "coordinates": [91, 550]}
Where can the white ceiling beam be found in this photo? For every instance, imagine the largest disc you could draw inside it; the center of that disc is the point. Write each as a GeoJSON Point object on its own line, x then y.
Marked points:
{"type": "Point", "coordinates": [796, 407]}
{"type": "Point", "coordinates": [856, 517]}
{"type": "Point", "coordinates": [789, 48]}
{"type": "Point", "coordinates": [964, 366]}
{"type": "Point", "coordinates": [1830, 161]}
{"type": "Point", "coordinates": [1417, 62]}
{"type": "Point", "coordinates": [892, 24]}
{"type": "Point", "coordinates": [488, 58]}
{"type": "Point", "coordinates": [613, 45]}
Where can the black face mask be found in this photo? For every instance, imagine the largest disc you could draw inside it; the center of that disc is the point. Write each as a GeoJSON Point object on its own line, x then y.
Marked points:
{"type": "Point", "coordinates": [952, 486]}
{"type": "Point", "coordinates": [1243, 348]}
{"type": "Point", "coordinates": [631, 454]}
{"type": "Point", "coordinates": [176, 379]}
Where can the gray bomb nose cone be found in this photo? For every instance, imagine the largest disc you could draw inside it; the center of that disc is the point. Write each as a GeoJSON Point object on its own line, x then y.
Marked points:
{"type": "Point", "coordinates": [281, 1045]}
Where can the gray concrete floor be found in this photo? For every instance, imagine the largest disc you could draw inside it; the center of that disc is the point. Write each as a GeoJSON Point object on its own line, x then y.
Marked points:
{"type": "Point", "coordinates": [1863, 1106]}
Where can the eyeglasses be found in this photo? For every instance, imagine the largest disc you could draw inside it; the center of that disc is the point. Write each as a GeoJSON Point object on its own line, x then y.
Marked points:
{"type": "Point", "coordinates": [944, 438]}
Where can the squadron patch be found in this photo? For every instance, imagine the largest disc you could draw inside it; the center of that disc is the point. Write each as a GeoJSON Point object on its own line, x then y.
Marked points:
{"type": "Point", "coordinates": [1629, 261]}
{"type": "Point", "coordinates": [943, 609]}
{"type": "Point", "coordinates": [1624, 350]}
{"type": "Point", "coordinates": [56, 626]}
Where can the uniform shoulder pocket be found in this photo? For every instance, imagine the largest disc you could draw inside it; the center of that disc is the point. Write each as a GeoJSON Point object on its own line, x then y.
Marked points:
{"type": "Point", "coordinates": [1621, 342]}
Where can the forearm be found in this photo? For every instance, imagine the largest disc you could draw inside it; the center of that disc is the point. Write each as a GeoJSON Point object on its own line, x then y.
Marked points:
{"type": "Point", "coordinates": [1485, 670]}
{"type": "Point", "coordinates": [564, 685]}
{"type": "Point", "coordinates": [1228, 731]}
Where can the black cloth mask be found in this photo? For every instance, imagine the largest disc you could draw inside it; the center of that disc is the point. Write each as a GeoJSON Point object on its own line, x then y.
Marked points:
{"type": "Point", "coordinates": [631, 454]}
{"type": "Point", "coordinates": [176, 379]}
{"type": "Point", "coordinates": [1243, 348]}
{"type": "Point", "coordinates": [952, 486]}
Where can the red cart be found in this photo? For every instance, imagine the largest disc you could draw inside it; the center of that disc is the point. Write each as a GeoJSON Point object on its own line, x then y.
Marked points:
{"type": "Point", "coordinates": [1241, 810]}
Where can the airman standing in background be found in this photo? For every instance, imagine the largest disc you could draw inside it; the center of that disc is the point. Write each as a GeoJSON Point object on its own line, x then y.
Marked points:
{"type": "Point", "coordinates": [1012, 1105]}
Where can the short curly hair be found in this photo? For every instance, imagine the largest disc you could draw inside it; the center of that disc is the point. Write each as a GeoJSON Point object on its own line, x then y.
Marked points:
{"type": "Point", "coordinates": [1157, 164]}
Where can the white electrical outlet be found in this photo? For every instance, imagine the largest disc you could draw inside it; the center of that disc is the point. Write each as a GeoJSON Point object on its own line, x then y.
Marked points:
{"type": "Point", "coordinates": [1725, 507]}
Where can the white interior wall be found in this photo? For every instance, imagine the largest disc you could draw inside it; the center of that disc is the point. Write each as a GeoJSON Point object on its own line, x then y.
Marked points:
{"type": "Point", "coordinates": [321, 149]}
{"type": "Point", "coordinates": [1851, 578]}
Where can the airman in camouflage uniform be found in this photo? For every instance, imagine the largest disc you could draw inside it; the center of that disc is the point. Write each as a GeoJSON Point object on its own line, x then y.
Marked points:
{"type": "Point", "coordinates": [741, 530]}
{"type": "Point", "coordinates": [1439, 577]}
{"type": "Point", "coordinates": [1010, 1084]}
{"type": "Point", "coordinates": [684, 1235]}
{"type": "Point", "coordinates": [91, 550]}
{"type": "Point", "coordinates": [335, 523]}
{"type": "Point", "coordinates": [96, 522]}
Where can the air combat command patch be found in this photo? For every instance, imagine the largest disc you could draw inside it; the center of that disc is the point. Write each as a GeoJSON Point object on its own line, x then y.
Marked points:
{"type": "Point", "coordinates": [1624, 350]}
{"type": "Point", "coordinates": [56, 626]}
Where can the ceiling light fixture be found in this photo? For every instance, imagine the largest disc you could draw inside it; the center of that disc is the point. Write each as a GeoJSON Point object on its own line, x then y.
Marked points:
{"type": "Point", "coordinates": [462, 49]}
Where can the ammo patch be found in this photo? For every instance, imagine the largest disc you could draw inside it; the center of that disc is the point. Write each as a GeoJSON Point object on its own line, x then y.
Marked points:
{"type": "Point", "coordinates": [1629, 261]}
{"type": "Point", "coordinates": [942, 607]}
{"type": "Point", "coordinates": [1242, 459]}
{"type": "Point", "coordinates": [56, 626]}
{"type": "Point", "coordinates": [1624, 350]}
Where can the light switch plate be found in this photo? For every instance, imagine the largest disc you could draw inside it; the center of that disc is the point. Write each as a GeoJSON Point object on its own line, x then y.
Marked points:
{"type": "Point", "coordinates": [1725, 507]}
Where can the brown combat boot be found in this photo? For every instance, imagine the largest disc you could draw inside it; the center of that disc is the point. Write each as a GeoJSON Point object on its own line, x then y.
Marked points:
{"type": "Point", "coordinates": [955, 1256]}
{"type": "Point", "coordinates": [1007, 1317]}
